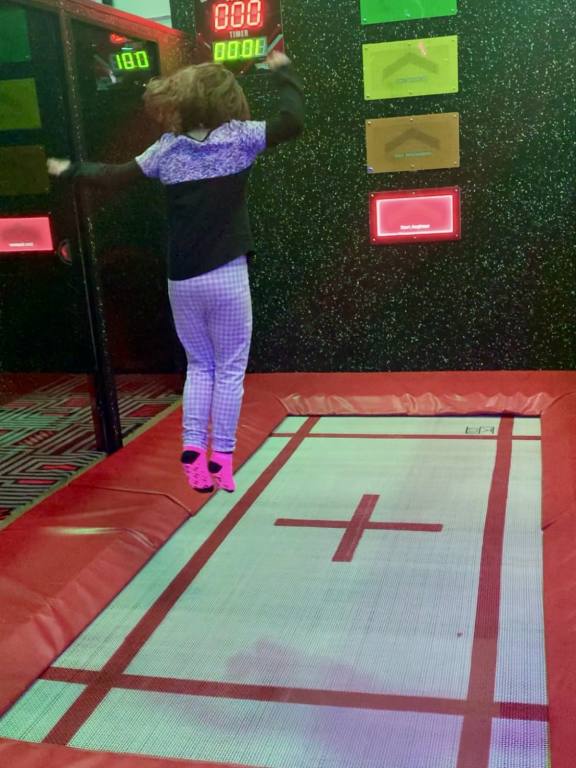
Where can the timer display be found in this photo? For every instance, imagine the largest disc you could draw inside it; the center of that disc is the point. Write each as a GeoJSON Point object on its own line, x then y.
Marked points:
{"type": "Point", "coordinates": [235, 50]}
{"type": "Point", "coordinates": [129, 56]}
{"type": "Point", "coordinates": [229, 16]}
{"type": "Point", "coordinates": [118, 61]}
{"type": "Point", "coordinates": [128, 60]}
{"type": "Point", "coordinates": [239, 33]}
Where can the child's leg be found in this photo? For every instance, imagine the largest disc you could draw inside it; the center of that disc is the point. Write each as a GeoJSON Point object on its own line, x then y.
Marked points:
{"type": "Point", "coordinates": [188, 302]}
{"type": "Point", "coordinates": [230, 330]}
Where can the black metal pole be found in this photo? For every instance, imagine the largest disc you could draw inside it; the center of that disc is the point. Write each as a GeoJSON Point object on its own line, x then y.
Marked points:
{"type": "Point", "coordinates": [106, 402]}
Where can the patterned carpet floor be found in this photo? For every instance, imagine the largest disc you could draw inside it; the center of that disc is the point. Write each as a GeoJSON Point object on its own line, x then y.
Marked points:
{"type": "Point", "coordinates": [47, 435]}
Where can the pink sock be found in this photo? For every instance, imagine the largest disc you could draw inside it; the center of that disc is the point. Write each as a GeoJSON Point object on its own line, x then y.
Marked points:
{"type": "Point", "coordinates": [221, 466]}
{"type": "Point", "coordinates": [196, 468]}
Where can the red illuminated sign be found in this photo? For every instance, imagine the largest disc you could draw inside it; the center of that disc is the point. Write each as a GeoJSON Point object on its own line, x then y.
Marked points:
{"type": "Point", "coordinates": [31, 234]}
{"type": "Point", "coordinates": [239, 15]}
{"type": "Point", "coordinates": [117, 39]}
{"type": "Point", "coordinates": [415, 215]}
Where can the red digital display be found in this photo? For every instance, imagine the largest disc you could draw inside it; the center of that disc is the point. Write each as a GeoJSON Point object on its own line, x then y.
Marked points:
{"type": "Point", "coordinates": [237, 16]}
{"type": "Point", "coordinates": [31, 234]}
{"type": "Point", "coordinates": [415, 215]}
{"type": "Point", "coordinates": [239, 33]}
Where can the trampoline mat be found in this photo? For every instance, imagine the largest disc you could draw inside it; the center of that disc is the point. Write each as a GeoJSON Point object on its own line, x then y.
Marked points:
{"type": "Point", "coordinates": [377, 603]}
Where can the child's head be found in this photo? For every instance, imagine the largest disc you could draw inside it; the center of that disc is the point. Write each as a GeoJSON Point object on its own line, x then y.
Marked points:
{"type": "Point", "coordinates": [203, 95]}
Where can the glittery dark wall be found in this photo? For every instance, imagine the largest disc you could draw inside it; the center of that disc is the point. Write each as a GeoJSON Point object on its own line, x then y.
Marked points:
{"type": "Point", "coordinates": [502, 297]}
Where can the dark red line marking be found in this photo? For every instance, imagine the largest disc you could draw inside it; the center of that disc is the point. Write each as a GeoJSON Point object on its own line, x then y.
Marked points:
{"type": "Point", "coordinates": [69, 724]}
{"type": "Point", "coordinates": [313, 697]}
{"type": "Point", "coordinates": [344, 435]}
{"type": "Point", "coordinates": [370, 526]}
{"type": "Point", "coordinates": [355, 529]}
{"type": "Point", "coordinates": [510, 710]}
{"type": "Point", "coordinates": [477, 726]}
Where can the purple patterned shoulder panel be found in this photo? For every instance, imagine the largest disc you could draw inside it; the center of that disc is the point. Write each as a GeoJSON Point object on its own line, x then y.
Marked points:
{"type": "Point", "coordinates": [227, 150]}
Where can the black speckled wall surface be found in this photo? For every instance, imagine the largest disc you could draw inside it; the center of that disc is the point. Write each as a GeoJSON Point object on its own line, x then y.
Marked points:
{"type": "Point", "coordinates": [504, 296]}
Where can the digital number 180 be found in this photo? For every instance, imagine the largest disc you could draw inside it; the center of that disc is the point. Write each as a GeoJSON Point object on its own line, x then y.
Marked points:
{"type": "Point", "coordinates": [132, 60]}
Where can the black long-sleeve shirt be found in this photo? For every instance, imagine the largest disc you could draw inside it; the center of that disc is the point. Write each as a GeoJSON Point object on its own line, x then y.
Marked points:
{"type": "Point", "coordinates": [206, 181]}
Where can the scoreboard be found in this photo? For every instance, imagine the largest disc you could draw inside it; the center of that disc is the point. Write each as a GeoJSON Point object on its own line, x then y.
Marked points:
{"type": "Point", "coordinates": [117, 60]}
{"type": "Point", "coordinates": [239, 33]}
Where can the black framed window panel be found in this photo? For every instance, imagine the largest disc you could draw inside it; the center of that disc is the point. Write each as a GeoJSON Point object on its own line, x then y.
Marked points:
{"type": "Point", "coordinates": [43, 320]}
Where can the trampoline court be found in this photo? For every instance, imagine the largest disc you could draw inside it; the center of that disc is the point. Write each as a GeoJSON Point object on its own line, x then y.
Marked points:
{"type": "Point", "coordinates": [371, 596]}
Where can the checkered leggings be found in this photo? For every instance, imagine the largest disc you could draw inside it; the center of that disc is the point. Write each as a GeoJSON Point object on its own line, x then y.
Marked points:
{"type": "Point", "coordinates": [213, 318]}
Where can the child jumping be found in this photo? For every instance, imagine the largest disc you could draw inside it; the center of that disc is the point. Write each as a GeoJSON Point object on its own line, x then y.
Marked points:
{"type": "Point", "coordinates": [204, 161]}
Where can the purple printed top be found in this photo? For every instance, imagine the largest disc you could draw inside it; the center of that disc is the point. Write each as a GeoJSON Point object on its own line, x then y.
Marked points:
{"type": "Point", "coordinates": [206, 181]}
{"type": "Point", "coordinates": [227, 150]}
{"type": "Point", "coordinates": [206, 186]}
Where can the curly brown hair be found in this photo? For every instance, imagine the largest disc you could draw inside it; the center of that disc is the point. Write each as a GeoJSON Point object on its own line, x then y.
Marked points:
{"type": "Point", "coordinates": [201, 95]}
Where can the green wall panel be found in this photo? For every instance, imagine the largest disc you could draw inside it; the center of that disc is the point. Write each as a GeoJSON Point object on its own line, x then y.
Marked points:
{"type": "Point", "coordinates": [19, 105]}
{"type": "Point", "coordinates": [379, 11]}
{"type": "Point", "coordinates": [14, 43]}
{"type": "Point", "coordinates": [23, 171]}
{"type": "Point", "coordinates": [411, 68]}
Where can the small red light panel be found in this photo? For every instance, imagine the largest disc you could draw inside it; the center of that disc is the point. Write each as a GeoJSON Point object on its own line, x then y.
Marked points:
{"type": "Point", "coordinates": [117, 39]}
{"type": "Point", "coordinates": [415, 215]}
{"type": "Point", "coordinates": [27, 234]}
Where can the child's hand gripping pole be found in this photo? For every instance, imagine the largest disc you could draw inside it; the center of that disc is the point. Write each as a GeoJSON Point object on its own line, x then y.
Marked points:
{"type": "Point", "coordinates": [56, 167]}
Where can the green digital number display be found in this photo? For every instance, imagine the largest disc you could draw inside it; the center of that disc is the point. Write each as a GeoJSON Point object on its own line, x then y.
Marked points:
{"type": "Point", "coordinates": [240, 50]}
{"type": "Point", "coordinates": [130, 60]}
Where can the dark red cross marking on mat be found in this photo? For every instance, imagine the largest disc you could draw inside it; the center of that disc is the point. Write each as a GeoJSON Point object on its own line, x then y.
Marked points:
{"type": "Point", "coordinates": [355, 528]}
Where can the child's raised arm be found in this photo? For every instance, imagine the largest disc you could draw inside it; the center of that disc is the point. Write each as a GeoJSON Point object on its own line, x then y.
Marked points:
{"type": "Point", "coordinates": [106, 175]}
{"type": "Point", "coordinates": [289, 123]}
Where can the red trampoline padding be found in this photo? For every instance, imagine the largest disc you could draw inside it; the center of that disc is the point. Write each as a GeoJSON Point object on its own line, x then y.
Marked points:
{"type": "Point", "coordinates": [559, 460]}
{"type": "Point", "coordinates": [67, 558]}
{"type": "Point", "coordinates": [18, 754]}
{"type": "Point", "coordinates": [559, 524]}
{"type": "Point", "coordinates": [560, 623]}
{"type": "Point", "coordinates": [62, 562]}
{"type": "Point", "coordinates": [525, 393]}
